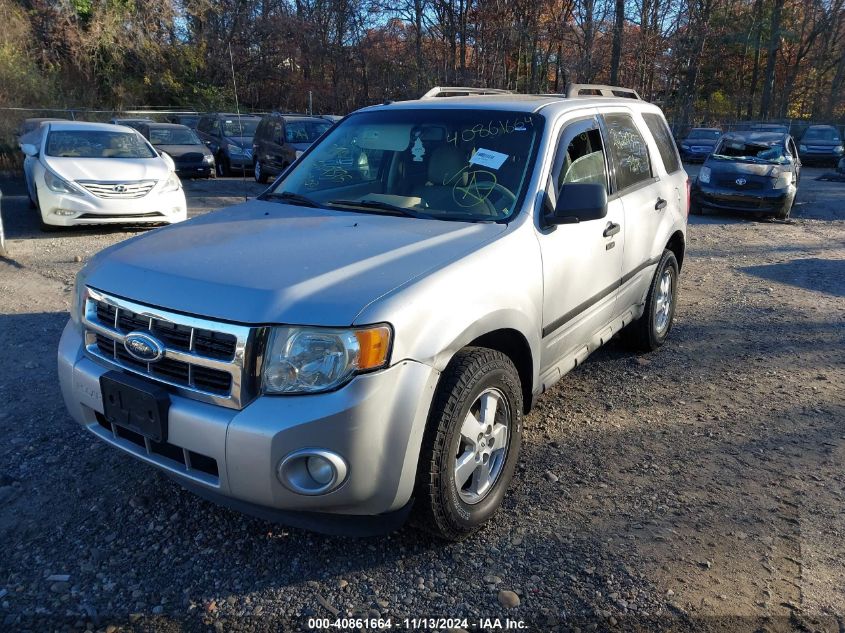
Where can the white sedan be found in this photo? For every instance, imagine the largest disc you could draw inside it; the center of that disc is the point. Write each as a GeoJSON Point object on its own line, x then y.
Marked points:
{"type": "Point", "coordinates": [96, 173]}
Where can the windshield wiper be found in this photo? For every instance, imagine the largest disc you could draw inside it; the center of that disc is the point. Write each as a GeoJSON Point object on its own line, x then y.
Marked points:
{"type": "Point", "coordinates": [291, 198]}
{"type": "Point", "coordinates": [377, 205]}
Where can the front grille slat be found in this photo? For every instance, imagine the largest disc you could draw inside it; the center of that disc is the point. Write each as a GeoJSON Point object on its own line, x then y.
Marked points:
{"type": "Point", "coordinates": [200, 360]}
{"type": "Point", "coordinates": [119, 190]}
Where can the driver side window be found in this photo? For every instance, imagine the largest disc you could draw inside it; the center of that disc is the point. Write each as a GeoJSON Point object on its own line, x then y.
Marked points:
{"type": "Point", "coordinates": [581, 157]}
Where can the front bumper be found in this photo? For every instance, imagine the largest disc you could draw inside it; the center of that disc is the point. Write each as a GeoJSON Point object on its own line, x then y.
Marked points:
{"type": "Point", "coordinates": [694, 156]}
{"type": "Point", "coordinates": [240, 161]}
{"type": "Point", "coordinates": [70, 210]}
{"type": "Point", "coordinates": [194, 170]}
{"type": "Point", "coordinates": [759, 201]}
{"type": "Point", "coordinates": [819, 157]}
{"type": "Point", "coordinates": [375, 423]}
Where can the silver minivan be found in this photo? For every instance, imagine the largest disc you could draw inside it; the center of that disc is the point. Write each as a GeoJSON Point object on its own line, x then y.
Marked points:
{"type": "Point", "coordinates": [363, 341]}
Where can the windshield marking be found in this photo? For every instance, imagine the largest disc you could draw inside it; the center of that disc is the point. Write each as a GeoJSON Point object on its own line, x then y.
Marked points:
{"type": "Point", "coordinates": [483, 131]}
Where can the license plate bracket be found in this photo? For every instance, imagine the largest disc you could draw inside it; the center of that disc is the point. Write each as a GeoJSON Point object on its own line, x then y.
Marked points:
{"type": "Point", "coordinates": [135, 404]}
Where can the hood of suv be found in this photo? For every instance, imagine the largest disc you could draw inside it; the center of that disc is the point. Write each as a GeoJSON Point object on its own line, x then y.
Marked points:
{"type": "Point", "coordinates": [264, 262]}
{"type": "Point", "coordinates": [108, 169]}
{"type": "Point", "coordinates": [242, 141]}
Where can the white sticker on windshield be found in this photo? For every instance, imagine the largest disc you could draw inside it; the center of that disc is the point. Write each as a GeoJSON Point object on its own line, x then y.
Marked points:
{"type": "Point", "coordinates": [488, 158]}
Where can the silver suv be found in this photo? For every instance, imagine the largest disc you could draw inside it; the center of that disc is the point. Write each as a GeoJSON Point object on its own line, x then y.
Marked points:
{"type": "Point", "coordinates": [370, 332]}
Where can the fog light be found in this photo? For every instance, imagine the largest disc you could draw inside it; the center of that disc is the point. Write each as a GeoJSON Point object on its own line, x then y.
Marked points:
{"type": "Point", "coordinates": [64, 212]}
{"type": "Point", "coordinates": [320, 469]}
{"type": "Point", "coordinates": [312, 471]}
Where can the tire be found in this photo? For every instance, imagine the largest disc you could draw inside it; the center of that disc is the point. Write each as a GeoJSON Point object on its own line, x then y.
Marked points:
{"type": "Point", "coordinates": [651, 330]}
{"type": "Point", "coordinates": [45, 228]}
{"type": "Point", "coordinates": [473, 376]}
{"type": "Point", "coordinates": [223, 167]}
{"type": "Point", "coordinates": [259, 173]}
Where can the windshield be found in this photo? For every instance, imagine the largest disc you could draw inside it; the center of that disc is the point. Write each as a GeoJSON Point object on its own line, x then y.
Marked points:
{"type": "Point", "coordinates": [304, 131]}
{"type": "Point", "coordinates": [821, 134]}
{"type": "Point", "coordinates": [704, 134]}
{"type": "Point", "coordinates": [173, 136]}
{"type": "Point", "coordinates": [97, 144]}
{"type": "Point", "coordinates": [190, 121]}
{"type": "Point", "coordinates": [751, 151]}
{"type": "Point", "coordinates": [448, 164]}
{"type": "Point", "coordinates": [242, 127]}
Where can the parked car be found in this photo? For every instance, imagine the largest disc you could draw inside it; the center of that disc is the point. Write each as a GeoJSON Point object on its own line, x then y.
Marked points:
{"type": "Point", "coordinates": [188, 120]}
{"type": "Point", "coordinates": [699, 142]}
{"type": "Point", "coordinates": [821, 144]}
{"type": "Point", "coordinates": [98, 173]}
{"type": "Point", "coordinates": [280, 139]}
{"type": "Point", "coordinates": [755, 172]}
{"type": "Point", "coordinates": [357, 341]}
{"type": "Point", "coordinates": [774, 128]}
{"type": "Point", "coordinates": [28, 126]}
{"type": "Point", "coordinates": [229, 137]}
{"type": "Point", "coordinates": [131, 122]}
{"type": "Point", "coordinates": [191, 158]}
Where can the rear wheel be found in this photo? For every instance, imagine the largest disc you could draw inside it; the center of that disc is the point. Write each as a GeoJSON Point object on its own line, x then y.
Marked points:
{"type": "Point", "coordinates": [651, 330]}
{"type": "Point", "coordinates": [471, 444]}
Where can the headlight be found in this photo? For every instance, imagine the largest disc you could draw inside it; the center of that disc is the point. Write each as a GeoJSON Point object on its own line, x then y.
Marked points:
{"type": "Point", "coordinates": [80, 295]}
{"type": "Point", "coordinates": [784, 179]}
{"type": "Point", "coordinates": [684, 146]}
{"type": "Point", "coordinates": [172, 184]}
{"type": "Point", "coordinates": [208, 159]}
{"type": "Point", "coordinates": [235, 149]}
{"type": "Point", "coordinates": [802, 148]}
{"type": "Point", "coordinates": [839, 149]}
{"type": "Point", "coordinates": [704, 175]}
{"type": "Point", "coordinates": [303, 360]}
{"type": "Point", "coordinates": [59, 185]}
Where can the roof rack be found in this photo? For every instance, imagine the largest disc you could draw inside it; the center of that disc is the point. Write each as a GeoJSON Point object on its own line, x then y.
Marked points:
{"type": "Point", "coordinates": [462, 91]}
{"type": "Point", "coordinates": [599, 90]}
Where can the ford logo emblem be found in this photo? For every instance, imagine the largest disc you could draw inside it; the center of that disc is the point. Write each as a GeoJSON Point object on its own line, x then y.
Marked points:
{"type": "Point", "coordinates": [143, 347]}
{"type": "Point", "coordinates": [741, 181]}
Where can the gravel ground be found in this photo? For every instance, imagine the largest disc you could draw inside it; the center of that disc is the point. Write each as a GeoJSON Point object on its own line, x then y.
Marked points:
{"type": "Point", "coordinates": [696, 488]}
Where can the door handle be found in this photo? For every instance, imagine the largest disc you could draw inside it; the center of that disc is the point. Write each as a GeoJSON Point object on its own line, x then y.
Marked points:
{"type": "Point", "coordinates": [660, 204]}
{"type": "Point", "coordinates": [611, 229]}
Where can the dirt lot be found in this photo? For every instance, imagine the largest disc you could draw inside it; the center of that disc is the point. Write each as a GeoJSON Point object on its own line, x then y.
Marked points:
{"type": "Point", "coordinates": [697, 488]}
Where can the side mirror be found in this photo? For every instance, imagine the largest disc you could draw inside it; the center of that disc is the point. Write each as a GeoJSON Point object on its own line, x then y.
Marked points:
{"type": "Point", "coordinates": [29, 149]}
{"type": "Point", "coordinates": [579, 202]}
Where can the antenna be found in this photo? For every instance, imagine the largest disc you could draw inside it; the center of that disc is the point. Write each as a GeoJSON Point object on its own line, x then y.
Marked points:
{"type": "Point", "coordinates": [238, 111]}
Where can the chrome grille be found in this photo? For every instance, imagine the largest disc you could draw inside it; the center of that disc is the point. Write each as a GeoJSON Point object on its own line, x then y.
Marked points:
{"type": "Point", "coordinates": [205, 360]}
{"type": "Point", "coordinates": [119, 190]}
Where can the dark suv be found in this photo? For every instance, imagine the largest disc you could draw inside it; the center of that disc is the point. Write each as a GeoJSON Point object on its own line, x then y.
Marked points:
{"type": "Point", "coordinates": [229, 137]}
{"type": "Point", "coordinates": [821, 144]}
{"type": "Point", "coordinates": [280, 139]}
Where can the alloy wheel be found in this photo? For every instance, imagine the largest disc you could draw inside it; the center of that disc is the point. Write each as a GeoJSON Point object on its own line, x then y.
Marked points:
{"type": "Point", "coordinates": [482, 446]}
{"type": "Point", "coordinates": [663, 301]}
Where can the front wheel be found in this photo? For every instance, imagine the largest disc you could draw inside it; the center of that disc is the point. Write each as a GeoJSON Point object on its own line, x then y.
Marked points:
{"type": "Point", "coordinates": [259, 173]}
{"type": "Point", "coordinates": [471, 444]}
{"type": "Point", "coordinates": [651, 330]}
{"type": "Point", "coordinates": [223, 168]}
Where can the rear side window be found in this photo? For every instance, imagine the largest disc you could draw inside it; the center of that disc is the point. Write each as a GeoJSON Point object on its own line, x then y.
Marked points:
{"type": "Point", "coordinates": [628, 150]}
{"type": "Point", "coordinates": [665, 143]}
